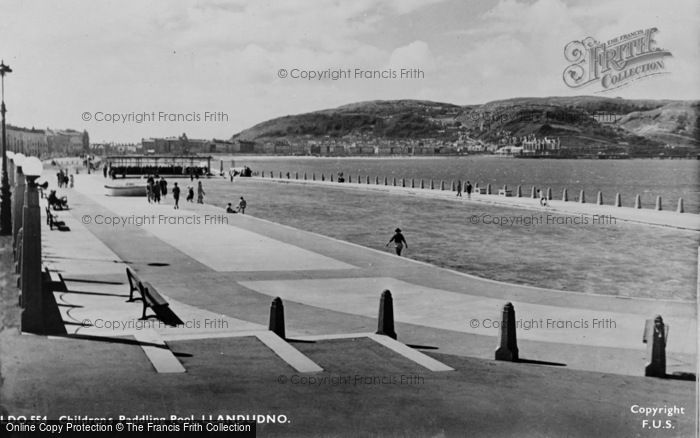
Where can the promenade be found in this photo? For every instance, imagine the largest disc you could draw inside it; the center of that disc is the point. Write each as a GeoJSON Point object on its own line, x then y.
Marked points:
{"type": "Point", "coordinates": [220, 272]}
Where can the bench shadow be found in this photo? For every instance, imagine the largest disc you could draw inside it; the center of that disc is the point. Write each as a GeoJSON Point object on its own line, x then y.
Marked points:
{"type": "Point", "coordinates": [81, 280]}
{"type": "Point", "coordinates": [72, 306]}
{"type": "Point", "coordinates": [126, 262]}
{"type": "Point", "coordinates": [109, 340]}
{"type": "Point", "coordinates": [79, 292]}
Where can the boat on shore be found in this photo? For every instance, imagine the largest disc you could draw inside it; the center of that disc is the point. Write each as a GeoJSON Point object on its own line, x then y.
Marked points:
{"type": "Point", "coordinates": [126, 189]}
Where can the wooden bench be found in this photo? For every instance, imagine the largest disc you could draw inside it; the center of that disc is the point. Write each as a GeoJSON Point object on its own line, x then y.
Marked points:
{"type": "Point", "coordinates": [52, 220]}
{"type": "Point", "coordinates": [505, 192]}
{"type": "Point", "coordinates": [480, 190]}
{"type": "Point", "coordinates": [134, 281]}
{"type": "Point", "coordinates": [151, 298]}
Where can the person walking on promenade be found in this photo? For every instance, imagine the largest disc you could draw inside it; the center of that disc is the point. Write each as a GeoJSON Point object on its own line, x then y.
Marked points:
{"type": "Point", "coordinates": [72, 181]}
{"type": "Point", "coordinates": [459, 188]}
{"type": "Point", "coordinates": [149, 191]}
{"type": "Point", "coordinates": [200, 193]}
{"type": "Point", "coordinates": [242, 204]}
{"type": "Point", "coordinates": [176, 196]}
{"type": "Point", "coordinates": [190, 194]}
{"type": "Point", "coordinates": [163, 184]}
{"type": "Point", "coordinates": [469, 190]}
{"type": "Point", "coordinates": [399, 241]}
{"type": "Point", "coordinates": [156, 192]}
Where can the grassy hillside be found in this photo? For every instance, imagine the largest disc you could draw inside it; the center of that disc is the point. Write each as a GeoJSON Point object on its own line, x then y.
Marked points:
{"type": "Point", "coordinates": [583, 123]}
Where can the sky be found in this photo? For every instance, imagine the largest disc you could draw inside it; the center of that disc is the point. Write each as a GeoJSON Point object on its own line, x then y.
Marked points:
{"type": "Point", "coordinates": [217, 65]}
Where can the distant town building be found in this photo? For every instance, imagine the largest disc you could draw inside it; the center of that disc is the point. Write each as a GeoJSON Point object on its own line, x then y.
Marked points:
{"type": "Point", "coordinates": [47, 142]}
{"type": "Point", "coordinates": [26, 141]}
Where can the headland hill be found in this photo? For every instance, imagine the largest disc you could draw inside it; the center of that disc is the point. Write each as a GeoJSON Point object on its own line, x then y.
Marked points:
{"type": "Point", "coordinates": [550, 127]}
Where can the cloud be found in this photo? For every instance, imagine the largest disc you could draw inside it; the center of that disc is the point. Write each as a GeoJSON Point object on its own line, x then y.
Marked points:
{"type": "Point", "coordinates": [414, 55]}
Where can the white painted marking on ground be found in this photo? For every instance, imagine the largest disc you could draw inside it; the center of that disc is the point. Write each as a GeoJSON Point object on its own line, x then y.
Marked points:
{"type": "Point", "coordinates": [410, 354]}
{"type": "Point", "coordinates": [289, 354]}
{"type": "Point", "coordinates": [163, 360]}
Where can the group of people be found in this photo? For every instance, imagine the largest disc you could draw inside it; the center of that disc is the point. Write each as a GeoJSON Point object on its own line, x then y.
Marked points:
{"type": "Point", "coordinates": [156, 188]}
{"type": "Point", "coordinates": [63, 179]}
{"type": "Point", "coordinates": [242, 204]}
{"type": "Point", "coordinates": [159, 188]}
{"type": "Point", "coordinates": [467, 188]}
{"type": "Point", "coordinates": [190, 194]}
{"type": "Point", "coordinates": [200, 193]}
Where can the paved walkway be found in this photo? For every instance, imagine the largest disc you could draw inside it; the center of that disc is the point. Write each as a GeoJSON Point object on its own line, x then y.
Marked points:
{"type": "Point", "coordinates": [225, 269]}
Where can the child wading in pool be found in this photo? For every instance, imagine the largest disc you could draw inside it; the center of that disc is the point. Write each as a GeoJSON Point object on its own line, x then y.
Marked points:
{"type": "Point", "coordinates": [399, 241]}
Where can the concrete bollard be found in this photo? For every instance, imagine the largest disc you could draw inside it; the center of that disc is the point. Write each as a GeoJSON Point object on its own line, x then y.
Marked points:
{"type": "Point", "coordinates": [262, 174]}
{"type": "Point", "coordinates": [280, 174]}
{"type": "Point", "coordinates": [453, 188]}
{"type": "Point", "coordinates": [296, 175]}
{"type": "Point", "coordinates": [680, 206]}
{"type": "Point", "coordinates": [658, 203]}
{"type": "Point", "coordinates": [582, 197]}
{"type": "Point", "coordinates": [655, 334]}
{"type": "Point", "coordinates": [464, 189]}
{"type": "Point", "coordinates": [393, 181]}
{"type": "Point", "coordinates": [599, 198]}
{"type": "Point", "coordinates": [488, 188]}
{"type": "Point", "coordinates": [331, 178]}
{"type": "Point", "coordinates": [403, 182]}
{"type": "Point", "coordinates": [277, 317]}
{"type": "Point", "coordinates": [564, 195]}
{"type": "Point", "coordinates": [376, 180]}
{"type": "Point", "coordinates": [313, 176]}
{"type": "Point", "coordinates": [386, 181]}
{"type": "Point", "coordinates": [305, 176]}
{"type": "Point", "coordinates": [359, 179]}
{"type": "Point", "coordinates": [323, 177]}
{"type": "Point", "coordinates": [422, 184]}
{"type": "Point", "coordinates": [413, 183]}
{"type": "Point", "coordinates": [519, 192]}
{"type": "Point", "coordinates": [533, 192]}
{"type": "Point", "coordinates": [367, 179]}
{"type": "Point", "coordinates": [637, 201]}
{"type": "Point", "coordinates": [442, 185]}
{"type": "Point", "coordinates": [618, 200]}
{"type": "Point", "coordinates": [508, 350]}
{"type": "Point", "coordinates": [385, 324]}
{"type": "Point", "coordinates": [432, 184]}
{"type": "Point", "coordinates": [349, 178]}
{"type": "Point", "coordinates": [549, 193]}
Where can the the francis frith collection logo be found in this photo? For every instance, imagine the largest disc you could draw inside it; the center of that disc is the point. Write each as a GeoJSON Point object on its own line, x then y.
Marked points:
{"type": "Point", "coordinates": [614, 63]}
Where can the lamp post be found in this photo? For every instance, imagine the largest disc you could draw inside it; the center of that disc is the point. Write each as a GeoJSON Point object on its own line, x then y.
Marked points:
{"type": "Point", "coordinates": [32, 294]}
{"type": "Point", "coordinates": [5, 214]}
{"type": "Point", "coordinates": [18, 204]}
{"type": "Point", "coordinates": [11, 172]}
